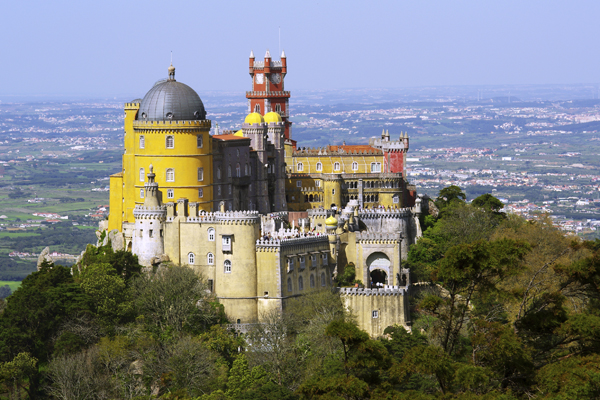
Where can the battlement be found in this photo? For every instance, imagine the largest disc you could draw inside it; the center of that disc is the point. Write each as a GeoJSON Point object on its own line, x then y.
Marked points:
{"type": "Point", "coordinates": [365, 213]}
{"type": "Point", "coordinates": [186, 125]}
{"type": "Point", "coordinates": [132, 106]}
{"type": "Point", "coordinates": [263, 94]}
{"type": "Point", "coordinates": [379, 237]}
{"type": "Point", "coordinates": [385, 291]}
{"type": "Point", "coordinates": [292, 241]}
{"type": "Point", "coordinates": [245, 217]}
{"type": "Point", "coordinates": [272, 64]}
{"type": "Point", "coordinates": [341, 150]}
{"type": "Point", "coordinates": [318, 212]}
{"type": "Point", "coordinates": [143, 212]}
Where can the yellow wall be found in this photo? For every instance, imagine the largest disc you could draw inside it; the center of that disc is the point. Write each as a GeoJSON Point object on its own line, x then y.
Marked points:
{"type": "Point", "coordinates": [115, 218]}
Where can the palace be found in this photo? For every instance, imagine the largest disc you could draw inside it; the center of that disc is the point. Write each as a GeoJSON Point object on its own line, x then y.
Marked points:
{"type": "Point", "coordinates": [261, 218]}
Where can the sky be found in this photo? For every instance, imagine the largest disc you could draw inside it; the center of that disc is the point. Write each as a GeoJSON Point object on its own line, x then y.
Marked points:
{"type": "Point", "coordinates": [120, 48]}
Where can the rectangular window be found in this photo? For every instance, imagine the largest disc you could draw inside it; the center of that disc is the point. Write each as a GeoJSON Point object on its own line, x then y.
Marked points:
{"type": "Point", "coordinates": [336, 166]}
{"type": "Point", "coordinates": [355, 166]}
{"type": "Point", "coordinates": [170, 175]}
{"type": "Point", "coordinates": [170, 194]}
{"type": "Point", "coordinates": [290, 265]}
{"type": "Point", "coordinates": [200, 174]}
{"type": "Point", "coordinates": [141, 193]}
{"type": "Point", "coordinates": [226, 242]}
{"type": "Point", "coordinates": [302, 262]}
{"type": "Point", "coordinates": [318, 183]}
{"type": "Point", "coordinates": [375, 313]}
{"type": "Point", "coordinates": [375, 167]}
{"type": "Point", "coordinates": [142, 175]}
{"type": "Point", "coordinates": [199, 141]}
{"type": "Point", "coordinates": [210, 285]}
{"type": "Point", "coordinates": [313, 261]}
{"type": "Point", "coordinates": [142, 141]}
{"type": "Point", "coordinates": [396, 199]}
{"type": "Point", "coordinates": [298, 183]}
{"type": "Point", "coordinates": [200, 193]}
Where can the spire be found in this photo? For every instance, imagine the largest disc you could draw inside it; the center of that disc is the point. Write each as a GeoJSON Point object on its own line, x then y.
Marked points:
{"type": "Point", "coordinates": [251, 53]}
{"type": "Point", "coordinates": [283, 54]}
{"type": "Point", "coordinates": [268, 54]}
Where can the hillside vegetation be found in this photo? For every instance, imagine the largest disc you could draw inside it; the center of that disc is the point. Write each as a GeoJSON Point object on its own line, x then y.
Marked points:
{"type": "Point", "coordinates": [504, 309]}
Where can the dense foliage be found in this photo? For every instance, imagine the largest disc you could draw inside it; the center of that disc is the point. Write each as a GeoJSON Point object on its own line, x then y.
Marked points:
{"type": "Point", "coordinates": [503, 308]}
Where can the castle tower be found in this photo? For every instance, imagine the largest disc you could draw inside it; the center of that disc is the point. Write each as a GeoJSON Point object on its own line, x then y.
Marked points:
{"type": "Point", "coordinates": [268, 92]}
{"type": "Point", "coordinates": [255, 128]}
{"type": "Point", "coordinates": [276, 136]}
{"type": "Point", "coordinates": [149, 223]}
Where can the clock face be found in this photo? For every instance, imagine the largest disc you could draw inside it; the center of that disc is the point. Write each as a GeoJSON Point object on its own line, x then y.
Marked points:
{"type": "Point", "coordinates": [260, 78]}
{"type": "Point", "coordinates": [275, 78]}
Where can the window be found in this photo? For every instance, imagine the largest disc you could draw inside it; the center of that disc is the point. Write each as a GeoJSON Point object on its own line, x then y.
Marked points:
{"type": "Point", "coordinates": [170, 194]}
{"type": "Point", "coordinates": [237, 153]}
{"type": "Point", "coordinates": [396, 199]}
{"type": "Point", "coordinates": [313, 261]}
{"type": "Point", "coordinates": [200, 174]}
{"type": "Point", "coordinates": [300, 167]}
{"type": "Point", "coordinates": [300, 283]}
{"type": "Point", "coordinates": [141, 193]}
{"type": "Point", "coordinates": [323, 279]}
{"type": "Point", "coordinates": [319, 166]}
{"type": "Point", "coordinates": [229, 189]}
{"type": "Point", "coordinates": [298, 183]}
{"type": "Point", "coordinates": [246, 170]}
{"type": "Point", "coordinates": [199, 141]}
{"type": "Point", "coordinates": [226, 243]}
{"type": "Point", "coordinates": [302, 260]}
{"type": "Point", "coordinates": [257, 108]}
{"type": "Point", "coordinates": [354, 166]}
{"type": "Point", "coordinates": [142, 175]}
{"type": "Point", "coordinates": [210, 259]}
{"type": "Point", "coordinates": [211, 234]}
{"type": "Point", "coordinates": [318, 183]}
{"type": "Point", "coordinates": [289, 284]}
{"type": "Point", "coordinates": [375, 313]}
{"type": "Point", "coordinates": [278, 108]}
{"type": "Point", "coordinates": [218, 172]}
{"type": "Point", "coordinates": [332, 191]}
{"type": "Point", "coordinates": [238, 170]}
{"type": "Point", "coordinates": [219, 190]}
{"type": "Point", "coordinates": [375, 167]}
{"type": "Point", "coordinates": [312, 281]}
{"type": "Point", "coordinates": [229, 171]}
{"type": "Point", "coordinates": [142, 141]}
{"type": "Point", "coordinates": [290, 264]}
{"type": "Point", "coordinates": [227, 265]}
{"type": "Point", "coordinates": [210, 285]}
{"type": "Point", "coordinates": [200, 193]}
{"type": "Point", "coordinates": [325, 261]}
{"type": "Point", "coordinates": [170, 142]}
{"type": "Point", "coordinates": [191, 258]}
{"type": "Point", "coordinates": [170, 175]}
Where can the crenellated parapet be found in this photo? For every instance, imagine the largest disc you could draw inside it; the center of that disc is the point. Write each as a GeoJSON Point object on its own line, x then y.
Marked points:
{"type": "Point", "coordinates": [144, 212]}
{"type": "Point", "coordinates": [189, 126]}
{"type": "Point", "coordinates": [385, 291]}
{"type": "Point", "coordinates": [272, 244]}
{"type": "Point", "coordinates": [378, 238]}
{"type": "Point", "coordinates": [371, 213]}
{"type": "Point", "coordinates": [132, 106]}
{"type": "Point", "coordinates": [334, 151]}
{"type": "Point", "coordinates": [319, 212]}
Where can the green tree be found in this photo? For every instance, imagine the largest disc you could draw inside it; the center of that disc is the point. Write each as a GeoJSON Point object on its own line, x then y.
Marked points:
{"type": "Point", "coordinates": [14, 374]}
{"type": "Point", "coordinates": [488, 202]}
{"type": "Point", "coordinates": [449, 195]}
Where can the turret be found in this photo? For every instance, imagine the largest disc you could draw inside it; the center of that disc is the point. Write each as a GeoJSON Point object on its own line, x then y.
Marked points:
{"type": "Point", "coordinates": [283, 63]}
{"type": "Point", "coordinates": [267, 62]}
{"type": "Point", "coordinates": [251, 62]}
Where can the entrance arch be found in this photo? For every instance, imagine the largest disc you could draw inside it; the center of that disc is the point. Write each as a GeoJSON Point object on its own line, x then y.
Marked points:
{"type": "Point", "coordinates": [379, 269]}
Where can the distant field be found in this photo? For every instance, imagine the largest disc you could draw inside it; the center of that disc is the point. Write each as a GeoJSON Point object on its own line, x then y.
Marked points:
{"type": "Point", "coordinates": [12, 284]}
{"type": "Point", "coordinates": [16, 234]}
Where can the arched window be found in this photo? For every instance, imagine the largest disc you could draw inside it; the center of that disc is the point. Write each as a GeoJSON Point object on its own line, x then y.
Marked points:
{"type": "Point", "coordinates": [227, 265]}
{"type": "Point", "coordinates": [300, 167]}
{"type": "Point", "coordinates": [246, 170]}
{"type": "Point", "coordinates": [300, 283]}
{"type": "Point", "coordinates": [312, 281]}
{"type": "Point", "coordinates": [278, 108]}
{"type": "Point", "coordinates": [199, 141]}
{"type": "Point", "coordinates": [229, 171]}
{"type": "Point", "coordinates": [170, 194]}
{"type": "Point", "coordinates": [142, 142]}
{"type": "Point", "coordinates": [249, 169]}
{"type": "Point", "coordinates": [238, 170]}
{"type": "Point", "coordinates": [170, 175]}
{"type": "Point", "coordinates": [319, 167]}
{"type": "Point", "coordinates": [211, 234]}
{"type": "Point", "coordinates": [200, 174]}
{"type": "Point", "coordinates": [200, 192]}
{"type": "Point", "coordinates": [142, 175]}
{"type": "Point", "coordinates": [191, 258]}
{"type": "Point", "coordinates": [141, 193]}
{"type": "Point", "coordinates": [336, 166]}
{"type": "Point", "coordinates": [323, 279]}
{"type": "Point", "coordinates": [310, 198]}
{"type": "Point", "coordinates": [170, 142]}
{"type": "Point", "coordinates": [210, 259]}
{"type": "Point", "coordinates": [354, 166]}
{"type": "Point", "coordinates": [290, 285]}
{"type": "Point", "coordinates": [257, 108]}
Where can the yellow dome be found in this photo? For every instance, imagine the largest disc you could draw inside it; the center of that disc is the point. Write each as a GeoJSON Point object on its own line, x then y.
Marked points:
{"type": "Point", "coordinates": [272, 117]}
{"type": "Point", "coordinates": [331, 221]}
{"type": "Point", "coordinates": [254, 118]}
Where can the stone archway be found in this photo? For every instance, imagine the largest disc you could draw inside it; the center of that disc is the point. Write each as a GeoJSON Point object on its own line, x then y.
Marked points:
{"type": "Point", "coordinates": [379, 266]}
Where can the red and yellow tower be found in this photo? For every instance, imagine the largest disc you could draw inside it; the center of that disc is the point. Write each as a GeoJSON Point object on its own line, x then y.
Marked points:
{"type": "Point", "coordinates": [268, 92]}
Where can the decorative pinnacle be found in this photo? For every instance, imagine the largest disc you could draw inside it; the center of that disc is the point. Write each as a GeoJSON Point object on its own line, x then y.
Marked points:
{"type": "Point", "coordinates": [283, 54]}
{"type": "Point", "coordinates": [171, 72]}
{"type": "Point", "coordinates": [251, 53]}
{"type": "Point", "coordinates": [268, 54]}
{"type": "Point", "coordinates": [151, 169]}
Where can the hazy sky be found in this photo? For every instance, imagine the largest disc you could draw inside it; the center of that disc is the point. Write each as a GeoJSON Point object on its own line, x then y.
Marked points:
{"type": "Point", "coordinates": [121, 48]}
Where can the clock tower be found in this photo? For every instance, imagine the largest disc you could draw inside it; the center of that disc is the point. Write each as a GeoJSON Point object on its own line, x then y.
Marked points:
{"type": "Point", "coordinates": [268, 92]}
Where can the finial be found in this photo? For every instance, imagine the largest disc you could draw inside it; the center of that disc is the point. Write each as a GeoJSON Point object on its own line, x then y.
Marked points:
{"type": "Point", "coordinates": [171, 72]}
{"type": "Point", "coordinates": [151, 169]}
{"type": "Point", "coordinates": [267, 54]}
{"type": "Point", "coordinates": [283, 54]}
{"type": "Point", "coordinates": [251, 53]}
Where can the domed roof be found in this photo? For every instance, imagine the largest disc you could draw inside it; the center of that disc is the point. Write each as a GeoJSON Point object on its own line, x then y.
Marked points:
{"type": "Point", "coordinates": [170, 100]}
{"type": "Point", "coordinates": [272, 117]}
{"type": "Point", "coordinates": [331, 221]}
{"type": "Point", "coordinates": [254, 118]}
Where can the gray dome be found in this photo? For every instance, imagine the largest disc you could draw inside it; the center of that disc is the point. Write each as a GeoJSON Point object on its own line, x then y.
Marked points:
{"type": "Point", "coordinates": [171, 101]}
